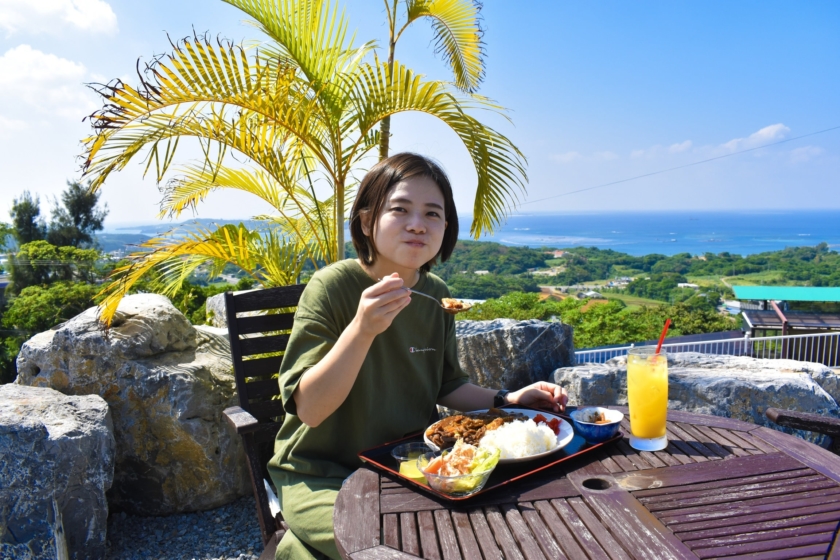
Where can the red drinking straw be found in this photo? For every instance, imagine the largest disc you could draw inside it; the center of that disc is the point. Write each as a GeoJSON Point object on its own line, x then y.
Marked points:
{"type": "Point", "coordinates": [662, 336]}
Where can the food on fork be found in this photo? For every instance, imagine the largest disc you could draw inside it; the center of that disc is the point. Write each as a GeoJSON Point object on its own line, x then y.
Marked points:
{"type": "Point", "coordinates": [452, 303]}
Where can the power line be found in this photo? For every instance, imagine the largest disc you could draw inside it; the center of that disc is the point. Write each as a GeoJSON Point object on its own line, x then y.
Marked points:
{"type": "Point", "coordinates": [682, 166]}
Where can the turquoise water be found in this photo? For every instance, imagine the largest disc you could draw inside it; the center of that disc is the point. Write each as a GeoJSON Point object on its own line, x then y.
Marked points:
{"type": "Point", "coordinates": [668, 233]}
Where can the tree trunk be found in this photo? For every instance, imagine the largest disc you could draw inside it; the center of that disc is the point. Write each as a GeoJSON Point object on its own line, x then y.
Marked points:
{"type": "Point", "coordinates": [385, 124]}
{"type": "Point", "coordinates": [384, 137]}
{"type": "Point", "coordinates": [339, 224]}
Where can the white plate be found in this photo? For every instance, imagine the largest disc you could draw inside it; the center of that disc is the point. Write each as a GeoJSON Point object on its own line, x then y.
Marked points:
{"type": "Point", "coordinates": [563, 438]}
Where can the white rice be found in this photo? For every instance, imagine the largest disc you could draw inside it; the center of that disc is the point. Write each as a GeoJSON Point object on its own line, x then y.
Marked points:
{"type": "Point", "coordinates": [520, 438]}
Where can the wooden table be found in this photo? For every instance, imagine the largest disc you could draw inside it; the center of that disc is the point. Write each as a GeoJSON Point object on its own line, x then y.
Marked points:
{"type": "Point", "coordinates": [722, 488]}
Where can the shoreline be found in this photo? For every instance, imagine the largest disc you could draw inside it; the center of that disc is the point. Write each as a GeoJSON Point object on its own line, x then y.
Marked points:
{"type": "Point", "coordinates": [738, 232]}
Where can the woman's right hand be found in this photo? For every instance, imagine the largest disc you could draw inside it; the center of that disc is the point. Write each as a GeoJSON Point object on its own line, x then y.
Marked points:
{"type": "Point", "coordinates": [380, 304]}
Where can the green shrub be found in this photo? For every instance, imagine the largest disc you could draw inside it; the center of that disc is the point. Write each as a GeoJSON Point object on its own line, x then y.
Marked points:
{"type": "Point", "coordinates": [602, 324]}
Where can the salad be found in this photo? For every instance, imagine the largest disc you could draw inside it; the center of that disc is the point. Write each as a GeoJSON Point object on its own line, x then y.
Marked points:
{"type": "Point", "coordinates": [462, 469]}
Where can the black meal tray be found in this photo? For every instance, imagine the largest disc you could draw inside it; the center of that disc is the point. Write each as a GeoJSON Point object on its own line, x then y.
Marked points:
{"type": "Point", "coordinates": [380, 458]}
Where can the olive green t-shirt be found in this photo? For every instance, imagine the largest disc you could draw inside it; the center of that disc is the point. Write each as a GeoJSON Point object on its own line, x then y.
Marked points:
{"type": "Point", "coordinates": [407, 369]}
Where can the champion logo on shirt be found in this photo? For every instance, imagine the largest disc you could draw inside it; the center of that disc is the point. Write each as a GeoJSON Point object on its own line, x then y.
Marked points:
{"type": "Point", "coordinates": [412, 349]}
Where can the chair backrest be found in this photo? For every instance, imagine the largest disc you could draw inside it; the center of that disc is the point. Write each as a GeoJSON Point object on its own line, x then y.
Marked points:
{"type": "Point", "coordinates": [259, 324]}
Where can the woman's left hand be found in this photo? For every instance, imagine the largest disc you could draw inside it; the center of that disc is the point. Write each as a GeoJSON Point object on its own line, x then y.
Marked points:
{"type": "Point", "coordinates": [547, 396]}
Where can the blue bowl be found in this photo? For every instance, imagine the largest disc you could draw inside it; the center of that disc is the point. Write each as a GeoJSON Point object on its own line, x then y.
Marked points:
{"type": "Point", "coordinates": [596, 433]}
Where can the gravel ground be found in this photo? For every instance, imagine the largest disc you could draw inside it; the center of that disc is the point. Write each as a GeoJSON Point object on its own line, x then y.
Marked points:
{"type": "Point", "coordinates": [228, 532]}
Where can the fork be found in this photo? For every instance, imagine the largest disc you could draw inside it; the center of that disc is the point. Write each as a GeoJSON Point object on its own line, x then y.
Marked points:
{"type": "Point", "coordinates": [449, 310]}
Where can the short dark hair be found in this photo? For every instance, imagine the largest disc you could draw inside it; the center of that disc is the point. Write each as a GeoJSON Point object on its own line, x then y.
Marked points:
{"type": "Point", "coordinates": [374, 190]}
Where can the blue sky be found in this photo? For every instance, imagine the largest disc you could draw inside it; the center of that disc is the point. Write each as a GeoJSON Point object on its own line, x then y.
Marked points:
{"type": "Point", "coordinates": [598, 92]}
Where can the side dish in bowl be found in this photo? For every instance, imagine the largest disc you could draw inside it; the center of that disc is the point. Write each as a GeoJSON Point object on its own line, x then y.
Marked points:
{"type": "Point", "coordinates": [596, 424]}
{"type": "Point", "coordinates": [460, 471]}
{"type": "Point", "coordinates": [406, 456]}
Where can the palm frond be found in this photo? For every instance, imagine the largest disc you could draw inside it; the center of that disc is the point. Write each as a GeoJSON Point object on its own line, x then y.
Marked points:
{"type": "Point", "coordinates": [307, 218]}
{"type": "Point", "coordinates": [270, 258]}
{"type": "Point", "coordinates": [457, 31]}
{"type": "Point", "coordinates": [314, 34]}
{"type": "Point", "coordinates": [186, 95]}
{"type": "Point", "coordinates": [499, 164]}
{"type": "Point", "coordinates": [298, 111]}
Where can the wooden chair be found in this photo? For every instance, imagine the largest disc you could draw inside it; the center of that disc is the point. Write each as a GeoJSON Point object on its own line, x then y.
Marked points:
{"type": "Point", "coordinates": [806, 421]}
{"type": "Point", "coordinates": [256, 342]}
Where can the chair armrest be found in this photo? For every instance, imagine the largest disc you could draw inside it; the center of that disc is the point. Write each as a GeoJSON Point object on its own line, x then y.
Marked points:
{"type": "Point", "coordinates": [241, 420]}
{"type": "Point", "coordinates": [827, 425]}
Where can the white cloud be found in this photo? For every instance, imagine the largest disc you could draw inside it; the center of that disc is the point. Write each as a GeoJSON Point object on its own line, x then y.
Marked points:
{"type": "Point", "coordinates": [605, 156]}
{"type": "Point", "coordinates": [652, 152]}
{"type": "Point", "coordinates": [53, 16]}
{"type": "Point", "coordinates": [660, 150]}
{"type": "Point", "coordinates": [568, 157]}
{"type": "Point", "coordinates": [23, 63]}
{"type": "Point", "coordinates": [805, 153]}
{"type": "Point", "coordinates": [763, 136]}
{"type": "Point", "coordinates": [45, 82]}
{"type": "Point", "coordinates": [10, 125]}
{"type": "Point", "coordinates": [681, 147]}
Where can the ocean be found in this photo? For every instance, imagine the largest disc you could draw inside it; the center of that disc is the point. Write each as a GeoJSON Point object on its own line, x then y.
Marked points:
{"type": "Point", "coordinates": [636, 233]}
{"type": "Point", "coordinates": [669, 233]}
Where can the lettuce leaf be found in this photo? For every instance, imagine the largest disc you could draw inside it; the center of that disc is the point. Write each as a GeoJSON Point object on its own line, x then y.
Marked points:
{"type": "Point", "coordinates": [485, 459]}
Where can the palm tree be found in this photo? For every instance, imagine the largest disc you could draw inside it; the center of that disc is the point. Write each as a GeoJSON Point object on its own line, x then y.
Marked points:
{"type": "Point", "coordinates": [301, 110]}
{"type": "Point", "coordinates": [458, 33]}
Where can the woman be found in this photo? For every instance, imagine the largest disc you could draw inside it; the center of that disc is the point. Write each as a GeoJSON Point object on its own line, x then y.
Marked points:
{"type": "Point", "coordinates": [365, 363]}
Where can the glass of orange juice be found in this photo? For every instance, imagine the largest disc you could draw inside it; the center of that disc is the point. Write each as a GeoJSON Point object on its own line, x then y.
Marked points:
{"type": "Point", "coordinates": [647, 393]}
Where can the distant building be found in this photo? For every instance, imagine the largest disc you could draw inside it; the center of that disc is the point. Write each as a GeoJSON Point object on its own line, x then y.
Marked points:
{"type": "Point", "coordinates": [589, 294]}
{"type": "Point", "coordinates": [550, 272]}
{"type": "Point", "coordinates": [766, 309]}
{"type": "Point", "coordinates": [560, 254]}
{"type": "Point", "coordinates": [776, 316]}
{"type": "Point", "coordinates": [687, 285]}
{"type": "Point", "coordinates": [481, 272]}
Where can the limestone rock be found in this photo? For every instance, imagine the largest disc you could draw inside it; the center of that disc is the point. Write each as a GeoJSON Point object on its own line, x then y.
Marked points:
{"type": "Point", "coordinates": [510, 354]}
{"type": "Point", "coordinates": [213, 332]}
{"type": "Point", "coordinates": [167, 384]}
{"type": "Point", "coordinates": [732, 386]}
{"type": "Point", "coordinates": [56, 463]}
{"type": "Point", "coordinates": [216, 311]}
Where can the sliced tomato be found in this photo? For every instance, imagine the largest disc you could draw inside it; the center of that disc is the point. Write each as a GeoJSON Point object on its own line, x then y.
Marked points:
{"type": "Point", "coordinates": [554, 423]}
{"type": "Point", "coordinates": [434, 465]}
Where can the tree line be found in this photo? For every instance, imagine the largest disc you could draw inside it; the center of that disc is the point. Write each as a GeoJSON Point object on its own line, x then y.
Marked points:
{"type": "Point", "coordinates": [605, 323]}
{"type": "Point", "coordinates": [56, 270]}
{"type": "Point", "coordinates": [52, 267]}
{"type": "Point", "coordinates": [816, 266]}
